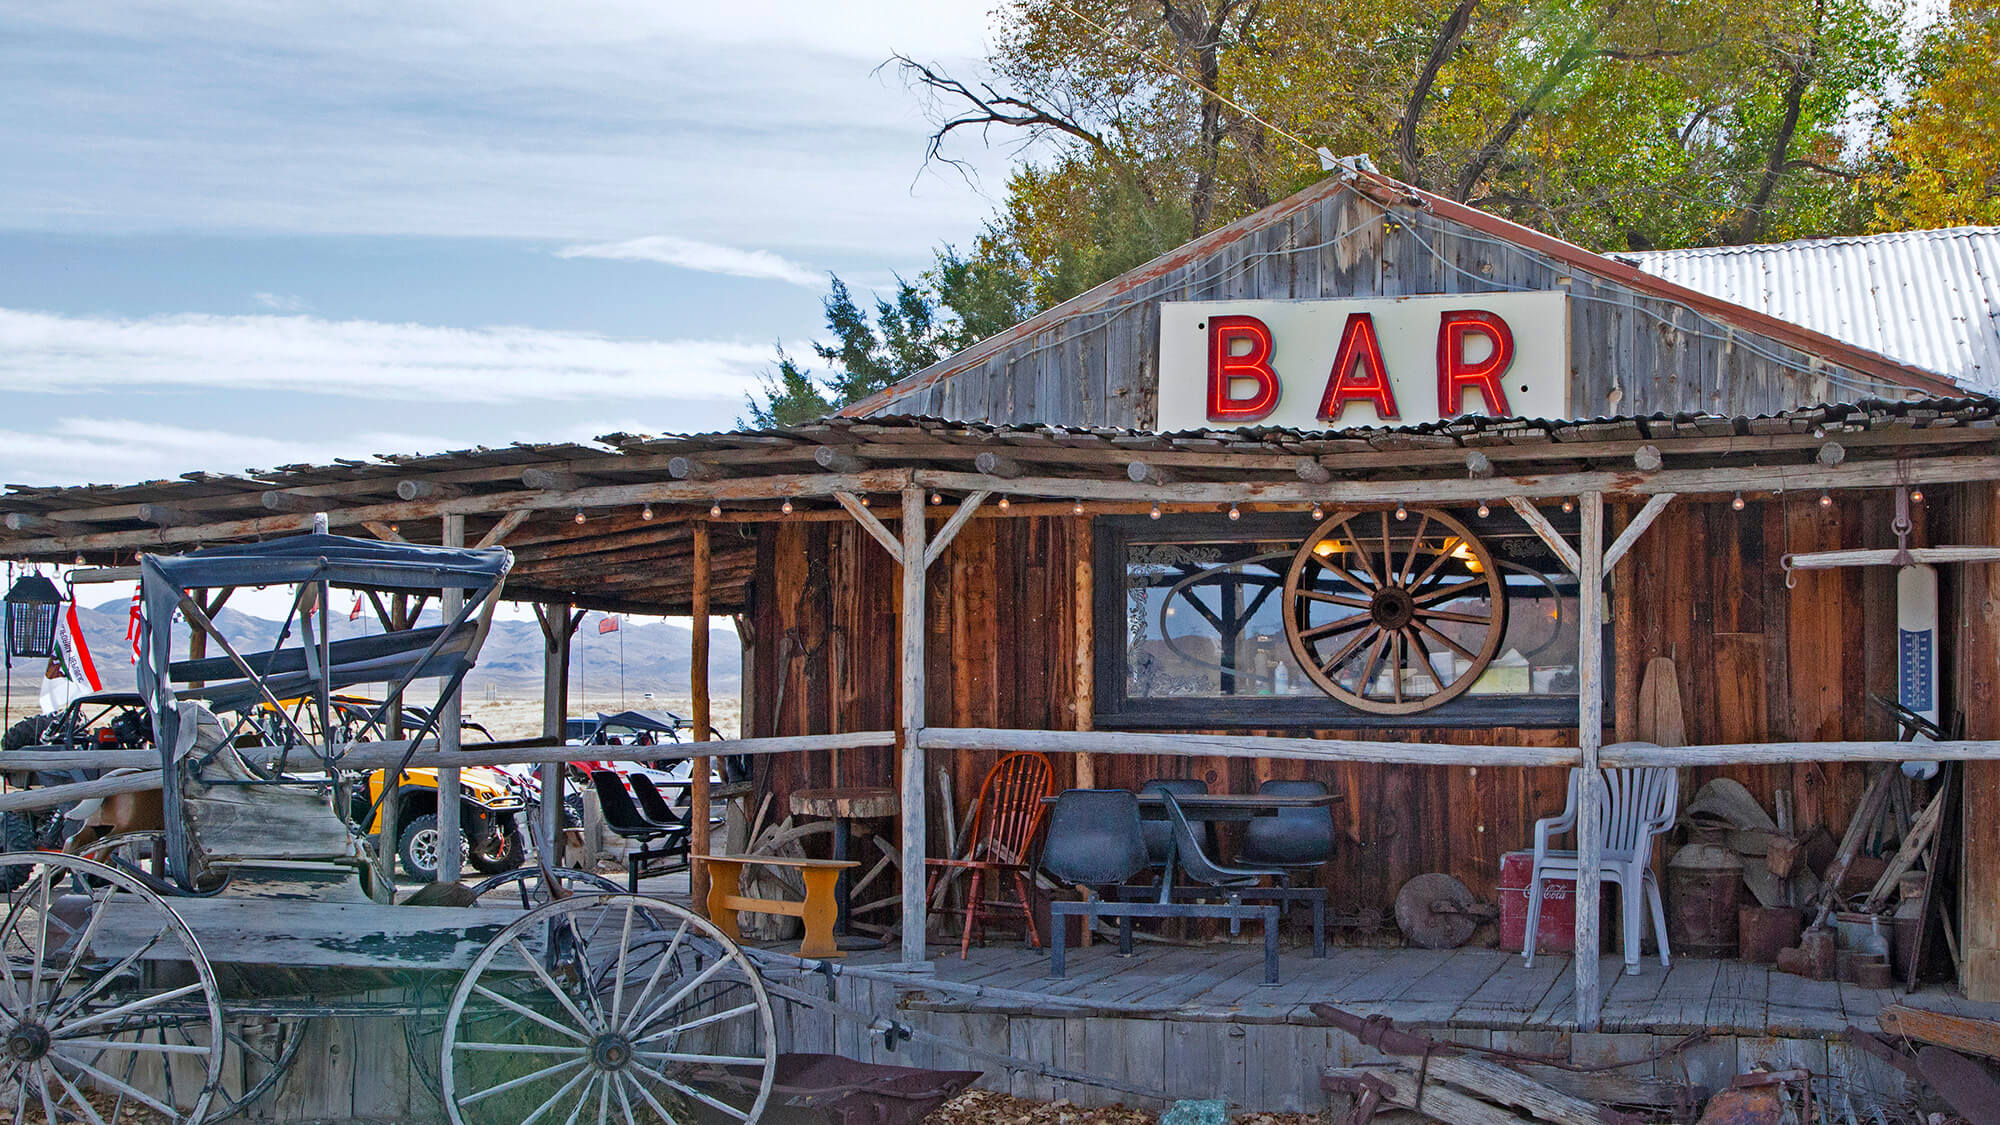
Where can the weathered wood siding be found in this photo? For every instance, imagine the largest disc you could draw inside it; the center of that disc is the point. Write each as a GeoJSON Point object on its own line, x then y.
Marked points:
{"type": "Point", "coordinates": [1631, 352]}
{"type": "Point", "coordinates": [1756, 662]}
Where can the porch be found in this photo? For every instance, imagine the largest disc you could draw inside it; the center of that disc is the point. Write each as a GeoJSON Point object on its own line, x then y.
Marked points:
{"type": "Point", "coordinates": [1176, 1021]}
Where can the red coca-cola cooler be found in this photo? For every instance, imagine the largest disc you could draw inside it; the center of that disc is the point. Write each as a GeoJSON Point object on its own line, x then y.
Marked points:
{"type": "Point", "coordinates": [1556, 932]}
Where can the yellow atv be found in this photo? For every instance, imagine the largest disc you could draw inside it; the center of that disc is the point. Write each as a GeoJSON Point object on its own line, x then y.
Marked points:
{"type": "Point", "coordinates": [489, 818]}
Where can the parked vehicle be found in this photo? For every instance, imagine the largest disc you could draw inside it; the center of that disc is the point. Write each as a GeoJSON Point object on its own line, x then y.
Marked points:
{"type": "Point", "coordinates": [103, 720]}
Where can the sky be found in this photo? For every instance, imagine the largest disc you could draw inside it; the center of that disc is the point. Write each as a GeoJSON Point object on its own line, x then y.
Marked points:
{"type": "Point", "coordinates": [243, 233]}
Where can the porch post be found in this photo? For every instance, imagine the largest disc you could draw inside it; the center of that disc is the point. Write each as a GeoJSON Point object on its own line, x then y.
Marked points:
{"type": "Point", "coordinates": [1590, 741]}
{"type": "Point", "coordinates": [698, 795]}
{"type": "Point", "coordinates": [914, 906]}
{"type": "Point", "coordinates": [555, 617]}
{"type": "Point", "coordinates": [450, 714]}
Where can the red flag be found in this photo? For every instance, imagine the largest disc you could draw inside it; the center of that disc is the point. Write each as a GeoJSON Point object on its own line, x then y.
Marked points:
{"type": "Point", "coordinates": [135, 624]}
{"type": "Point", "coordinates": [607, 625]}
{"type": "Point", "coordinates": [355, 613]}
{"type": "Point", "coordinates": [75, 653]}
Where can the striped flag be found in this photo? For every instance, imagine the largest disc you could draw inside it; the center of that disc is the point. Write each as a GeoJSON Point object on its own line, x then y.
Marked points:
{"type": "Point", "coordinates": [607, 624]}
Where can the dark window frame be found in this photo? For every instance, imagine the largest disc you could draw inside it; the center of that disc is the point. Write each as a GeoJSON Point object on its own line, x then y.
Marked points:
{"type": "Point", "coordinates": [1111, 535]}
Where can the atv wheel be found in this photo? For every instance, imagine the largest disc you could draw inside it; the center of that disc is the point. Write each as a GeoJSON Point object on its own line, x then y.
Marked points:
{"type": "Point", "coordinates": [19, 832]}
{"type": "Point", "coordinates": [502, 853]}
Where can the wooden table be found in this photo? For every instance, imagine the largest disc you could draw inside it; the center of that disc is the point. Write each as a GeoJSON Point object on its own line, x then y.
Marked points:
{"type": "Point", "coordinates": [843, 805]}
{"type": "Point", "coordinates": [725, 896]}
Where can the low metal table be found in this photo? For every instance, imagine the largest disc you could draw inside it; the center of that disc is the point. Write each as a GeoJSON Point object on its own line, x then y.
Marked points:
{"type": "Point", "coordinates": [844, 805]}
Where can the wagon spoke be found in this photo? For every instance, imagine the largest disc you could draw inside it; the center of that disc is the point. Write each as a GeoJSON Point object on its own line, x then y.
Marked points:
{"type": "Point", "coordinates": [1335, 599]}
{"type": "Point", "coordinates": [105, 978]}
{"type": "Point", "coordinates": [523, 1010]}
{"type": "Point", "coordinates": [604, 1100]}
{"type": "Point", "coordinates": [544, 1107]}
{"type": "Point", "coordinates": [1416, 543]}
{"type": "Point", "coordinates": [136, 1094]}
{"type": "Point", "coordinates": [42, 1088]}
{"type": "Point", "coordinates": [162, 1047]}
{"type": "Point", "coordinates": [650, 1100]}
{"type": "Point", "coordinates": [42, 949]}
{"type": "Point", "coordinates": [697, 1059]}
{"type": "Point", "coordinates": [76, 957]}
{"type": "Point", "coordinates": [1374, 658]}
{"type": "Point", "coordinates": [1454, 646]}
{"type": "Point", "coordinates": [1446, 593]}
{"type": "Point", "coordinates": [693, 983]}
{"type": "Point", "coordinates": [704, 1098]}
{"type": "Point", "coordinates": [1431, 571]}
{"type": "Point", "coordinates": [1449, 615]}
{"type": "Point", "coordinates": [624, 1100]}
{"type": "Point", "coordinates": [1361, 557]}
{"type": "Point", "coordinates": [1347, 650]}
{"type": "Point", "coordinates": [523, 1048]}
{"type": "Point", "coordinates": [1351, 621]}
{"type": "Point", "coordinates": [704, 1021]}
{"type": "Point", "coordinates": [1396, 664]}
{"type": "Point", "coordinates": [76, 1096]}
{"type": "Point", "coordinates": [525, 1079]}
{"type": "Point", "coordinates": [618, 986]}
{"type": "Point", "coordinates": [582, 1099]}
{"type": "Point", "coordinates": [549, 983]}
{"type": "Point", "coordinates": [122, 1010]}
{"type": "Point", "coordinates": [665, 959]}
{"type": "Point", "coordinates": [1417, 643]}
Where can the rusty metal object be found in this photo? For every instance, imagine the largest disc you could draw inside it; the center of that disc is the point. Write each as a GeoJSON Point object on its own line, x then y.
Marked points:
{"type": "Point", "coordinates": [1704, 888]}
{"type": "Point", "coordinates": [1965, 1085]}
{"type": "Point", "coordinates": [1368, 1092]}
{"type": "Point", "coordinates": [1763, 931]}
{"type": "Point", "coordinates": [1436, 911]}
{"type": "Point", "coordinates": [842, 1091]}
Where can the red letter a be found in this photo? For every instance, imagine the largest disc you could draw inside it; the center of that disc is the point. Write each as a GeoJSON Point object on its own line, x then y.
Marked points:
{"type": "Point", "coordinates": [1225, 368]}
{"type": "Point", "coordinates": [1358, 373]}
{"type": "Point", "coordinates": [1455, 374]}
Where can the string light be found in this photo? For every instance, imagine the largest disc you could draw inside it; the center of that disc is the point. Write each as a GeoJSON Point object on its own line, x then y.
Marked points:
{"type": "Point", "coordinates": [1234, 514]}
{"type": "Point", "coordinates": [79, 558]}
{"type": "Point", "coordinates": [786, 507]}
{"type": "Point", "coordinates": [646, 513]}
{"type": "Point", "coordinates": [864, 501]}
{"type": "Point", "coordinates": [1076, 507]}
{"type": "Point", "coordinates": [1825, 499]}
{"type": "Point", "coordinates": [714, 509]}
{"type": "Point", "coordinates": [579, 515]}
{"type": "Point", "coordinates": [1402, 513]}
{"type": "Point", "coordinates": [1737, 503]}
{"type": "Point", "coordinates": [1484, 511]}
{"type": "Point", "coordinates": [1319, 513]}
{"type": "Point", "coordinates": [1155, 513]}
{"type": "Point", "coordinates": [937, 498]}
{"type": "Point", "coordinates": [1004, 505]}
{"type": "Point", "coordinates": [1917, 495]}
{"type": "Point", "coordinates": [1568, 505]}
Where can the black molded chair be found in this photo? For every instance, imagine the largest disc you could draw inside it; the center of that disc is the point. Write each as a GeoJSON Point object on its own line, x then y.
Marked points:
{"type": "Point", "coordinates": [653, 803]}
{"type": "Point", "coordinates": [627, 822]}
{"type": "Point", "coordinates": [1239, 882]}
{"type": "Point", "coordinates": [1295, 840]}
{"type": "Point", "coordinates": [1094, 840]}
{"type": "Point", "coordinates": [1159, 833]}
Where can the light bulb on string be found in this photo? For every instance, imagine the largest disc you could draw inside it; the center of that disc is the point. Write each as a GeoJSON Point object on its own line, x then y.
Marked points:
{"type": "Point", "coordinates": [1319, 513]}
{"type": "Point", "coordinates": [1568, 505]}
{"type": "Point", "coordinates": [1402, 513]}
{"type": "Point", "coordinates": [937, 498]}
{"type": "Point", "coordinates": [1825, 499]}
{"type": "Point", "coordinates": [1737, 503]}
{"type": "Point", "coordinates": [864, 501]}
{"type": "Point", "coordinates": [1155, 513]}
{"type": "Point", "coordinates": [1076, 507]}
{"type": "Point", "coordinates": [1484, 511]}
{"type": "Point", "coordinates": [1004, 504]}
{"type": "Point", "coordinates": [1234, 514]}
{"type": "Point", "coordinates": [579, 515]}
{"type": "Point", "coordinates": [646, 513]}
{"type": "Point", "coordinates": [1917, 495]}
{"type": "Point", "coordinates": [786, 507]}
{"type": "Point", "coordinates": [715, 509]}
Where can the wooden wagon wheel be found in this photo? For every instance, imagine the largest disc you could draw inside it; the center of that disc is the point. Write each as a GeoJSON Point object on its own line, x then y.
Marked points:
{"type": "Point", "coordinates": [77, 941]}
{"type": "Point", "coordinates": [1374, 599]}
{"type": "Point", "coordinates": [608, 1007]}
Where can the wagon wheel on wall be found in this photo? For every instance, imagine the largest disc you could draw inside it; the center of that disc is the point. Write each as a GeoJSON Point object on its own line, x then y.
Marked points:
{"type": "Point", "coordinates": [1375, 601]}
{"type": "Point", "coordinates": [609, 1007]}
{"type": "Point", "coordinates": [78, 942]}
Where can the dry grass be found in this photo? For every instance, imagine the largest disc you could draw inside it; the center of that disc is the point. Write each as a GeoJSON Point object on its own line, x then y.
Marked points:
{"type": "Point", "coordinates": [988, 1107]}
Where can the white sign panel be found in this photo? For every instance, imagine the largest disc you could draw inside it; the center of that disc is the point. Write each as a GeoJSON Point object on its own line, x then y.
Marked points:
{"type": "Point", "coordinates": [1324, 365]}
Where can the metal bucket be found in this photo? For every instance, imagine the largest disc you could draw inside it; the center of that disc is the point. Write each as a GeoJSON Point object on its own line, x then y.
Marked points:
{"type": "Point", "coordinates": [1704, 889]}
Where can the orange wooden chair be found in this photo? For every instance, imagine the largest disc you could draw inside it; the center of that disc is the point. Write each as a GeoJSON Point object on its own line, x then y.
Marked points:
{"type": "Point", "coordinates": [1009, 812]}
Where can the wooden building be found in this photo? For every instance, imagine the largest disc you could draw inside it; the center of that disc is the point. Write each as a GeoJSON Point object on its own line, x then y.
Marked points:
{"type": "Point", "coordinates": [1094, 574]}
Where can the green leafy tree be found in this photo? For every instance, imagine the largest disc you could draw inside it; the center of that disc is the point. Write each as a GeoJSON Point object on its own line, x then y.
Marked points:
{"type": "Point", "coordinates": [1941, 163]}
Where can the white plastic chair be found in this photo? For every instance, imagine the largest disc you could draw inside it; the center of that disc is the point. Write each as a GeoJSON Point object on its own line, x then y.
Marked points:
{"type": "Point", "coordinates": [1633, 806]}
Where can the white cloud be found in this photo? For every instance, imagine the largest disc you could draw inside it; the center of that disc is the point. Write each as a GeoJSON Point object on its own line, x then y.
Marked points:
{"type": "Point", "coordinates": [41, 352]}
{"type": "Point", "coordinates": [75, 450]}
{"type": "Point", "coordinates": [705, 257]}
{"type": "Point", "coordinates": [280, 302]}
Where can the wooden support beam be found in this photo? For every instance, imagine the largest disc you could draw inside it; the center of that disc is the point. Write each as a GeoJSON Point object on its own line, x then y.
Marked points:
{"type": "Point", "coordinates": [166, 515]}
{"type": "Point", "coordinates": [1831, 560]}
{"type": "Point", "coordinates": [22, 521]}
{"type": "Point", "coordinates": [1647, 514]}
{"type": "Point", "coordinates": [278, 500]}
{"type": "Point", "coordinates": [953, 526]}
{"type": "Point", "coordinates": [1312, 472]}
{"type": "Point", "coordinates": [557, 628]}
{"type": "Point", "coordinates": [1083, 608]}
{"type": "Point", "coordinates": [838, 461]}
{"type": "Point", "coordinates": [871, 524]}
{"type": "Point", "coordinates": [915, 837]}
{"type": "Point", "coordinates": [1590, 738]}
{"type": "Point", "coordinates": [1242, 746]}
{"type": "Point", "coordinates": [695, 468]}
{"type": "Point", "coordinates": [698, 788]}
{"type": "Point", "coordinates": [1478, 466]}
{"type": "Point", "coordinates": [555, 480]}
{"type": "Point", "coordinates": [1647, 459]}
{"type": "Point", "coordinates": [1830, 454]}
{"type": "Point", "coordinates": [1546, 532]}
{"type": "Point", "coordinates": [498, 533]}
{"type": "Point", "coordinates": [420, 489]}
{"type": "Point", "coordinates": [997, 465]}
{"type": "Point", "coordinates": [451, 712]}
{"type": "Point", "coordinates": [386, 532]}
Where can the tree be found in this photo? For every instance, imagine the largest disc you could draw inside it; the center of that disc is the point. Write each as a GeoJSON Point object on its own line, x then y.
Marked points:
{"type": "Point", "coordinates": [1941, 166]}
{"type": "Point", "coordinates": [956, 302]}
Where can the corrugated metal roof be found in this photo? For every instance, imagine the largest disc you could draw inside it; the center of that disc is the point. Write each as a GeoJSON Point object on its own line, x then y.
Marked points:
{"type": "Point", "coordinates": [1929, 297]}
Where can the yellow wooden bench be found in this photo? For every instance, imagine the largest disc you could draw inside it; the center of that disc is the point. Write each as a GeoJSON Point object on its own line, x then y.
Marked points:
{"type": "Point", "coordinates": [817, 911]}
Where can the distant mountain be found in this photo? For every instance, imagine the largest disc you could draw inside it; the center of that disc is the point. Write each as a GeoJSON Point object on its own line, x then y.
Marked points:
{"type": "Point", "coordinates": [655, 654]}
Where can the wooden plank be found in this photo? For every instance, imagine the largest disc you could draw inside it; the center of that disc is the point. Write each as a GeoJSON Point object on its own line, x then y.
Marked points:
{"type": "Point", "coordinates": [871, 524]}
{"type": "Point", "coordinates": [1546, 532]}
{"type": "Point", "coordinates": [313, 934]}
{"type": "Point", "coordinates": [1590, 737]}
{"type": "Point", "coordinates": [1244, 746]}
{"type": "Point", "coordinates": [700, 768]}
{"type": "Point", "coordinates": [1973, 1034]}
{"type": "Point", "coordinates": [914, 785]}
{"type": "Point", "coordinates": [1630, 536]}
{"type": "Point", "coordinates": [1511, 993]}
{"type": "Point", "coordinates": [1439, 1102]}
{"type": "Point", "coordinates": [1739, 1000]}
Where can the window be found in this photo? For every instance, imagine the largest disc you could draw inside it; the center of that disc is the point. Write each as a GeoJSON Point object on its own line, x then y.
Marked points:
{"type": "Point", "coordinates": [1192, 615]}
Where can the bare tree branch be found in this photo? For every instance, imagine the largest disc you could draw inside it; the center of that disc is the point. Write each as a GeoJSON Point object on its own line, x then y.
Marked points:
{"type": "Point", "coordinates": [1443, 48]}
{"type": "Point", "coordinates": [985, 107]}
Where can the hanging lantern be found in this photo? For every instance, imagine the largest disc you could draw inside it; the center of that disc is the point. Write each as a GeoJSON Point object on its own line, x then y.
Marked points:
{"type": "Point", "coordinates": [32, 608]}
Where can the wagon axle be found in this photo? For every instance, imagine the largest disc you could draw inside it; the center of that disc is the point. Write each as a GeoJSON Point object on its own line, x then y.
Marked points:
{"type": "Point", "coordinates": [28, 1042]}
{"type": "Point", "coordinates": [611, 1051]}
